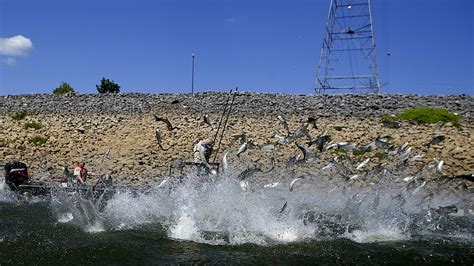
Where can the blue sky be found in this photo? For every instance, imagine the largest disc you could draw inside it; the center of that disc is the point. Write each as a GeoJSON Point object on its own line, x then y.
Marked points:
{"type": "Point", "coordinates": [258, 45]}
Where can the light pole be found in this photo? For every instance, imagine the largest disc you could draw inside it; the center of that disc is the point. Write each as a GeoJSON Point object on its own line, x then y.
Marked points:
{"type": "Point", "coordinates": [192, 75]}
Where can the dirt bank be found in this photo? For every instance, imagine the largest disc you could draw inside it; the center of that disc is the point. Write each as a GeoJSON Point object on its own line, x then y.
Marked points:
{"type": "Point", "coordinates": [135, 156]}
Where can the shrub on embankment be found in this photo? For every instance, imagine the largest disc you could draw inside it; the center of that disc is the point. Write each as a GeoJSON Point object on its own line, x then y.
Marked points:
{"type": "Point", "coordinates": [425, 115]}
{"type": "Point", "coordinates": [108, 86]}
{"type": "Point", "coordinates": [38, 140]}
{"type": "Point", "coordinates": [64, 88]}
{"type": "Point", "coordinates": [32, 125]}
{"type": "Point", "coordinates": [19, 116]}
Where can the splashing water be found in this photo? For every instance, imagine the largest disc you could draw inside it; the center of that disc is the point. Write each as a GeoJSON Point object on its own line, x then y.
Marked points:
{"type": "Point", "coordinates": [221, 212]}
{"type": "Point", "coordinates": [5, 194]}
{"type": "Point", "coordinates": [73, 208]}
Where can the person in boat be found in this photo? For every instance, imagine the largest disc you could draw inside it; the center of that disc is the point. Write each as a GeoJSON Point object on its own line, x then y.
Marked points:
{"type": "Point", "coordinates": [80, 172]}
{"type": "Point", "coordinates": [202, 153]}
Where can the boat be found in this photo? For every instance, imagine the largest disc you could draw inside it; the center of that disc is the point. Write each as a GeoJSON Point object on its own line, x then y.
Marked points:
{"type": "Point", "coordinates": [20, 182]}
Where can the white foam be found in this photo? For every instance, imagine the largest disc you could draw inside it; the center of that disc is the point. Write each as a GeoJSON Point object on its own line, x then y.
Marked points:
{"type": "Point", "coordinates": [377, 234]}
{"type": "Point", "coordinates": [222, 213]}
{"type": "Point", "coordinates": [5, 194]}
{"type": "Point", "coordinates": [72, 208]}
{"type": "Point", "coordinates": [65, 217]}
{"type": "Point", "coordinates": [185, 227]}
{"type": "Point", "coordinates": [96, 227]}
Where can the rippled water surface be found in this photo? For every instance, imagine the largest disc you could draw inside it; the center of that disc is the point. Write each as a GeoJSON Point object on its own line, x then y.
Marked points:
{"type": "Point", "coordinates": [221, 222]}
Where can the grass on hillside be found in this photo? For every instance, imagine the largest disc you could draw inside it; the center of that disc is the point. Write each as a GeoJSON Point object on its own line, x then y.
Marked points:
{"type": "Point", "coordinates": [38, 140]}
{"type": "Point", "coordinates": [19, 116]}
{"type": "Point", "coordinates": [388, 118]}
{"type": "Point", "coordinates": [425, 115]}
{"type": "Point", "coordinates": [33, 125]}
{"type": "Point", "coordinates": [361, 151]}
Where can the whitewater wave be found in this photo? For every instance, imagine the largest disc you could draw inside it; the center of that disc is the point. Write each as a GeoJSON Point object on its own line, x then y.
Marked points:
{"type": "Point", "coordinates": [222, 212]}
{"type": "Point", "coordinates": [75, 209]}
{"type": "Point", "coordinates": [5, 194]}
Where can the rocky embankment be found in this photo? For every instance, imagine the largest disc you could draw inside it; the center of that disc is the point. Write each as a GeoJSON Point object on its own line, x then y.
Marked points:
{"type": "Point", "coordinates": [352, 105]}
{"type": "Point", "coordinates": [84, 127]}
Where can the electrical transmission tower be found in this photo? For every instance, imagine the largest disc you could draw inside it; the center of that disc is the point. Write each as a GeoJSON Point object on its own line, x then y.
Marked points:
{"type": "Point", "coordinates": [347, 61]}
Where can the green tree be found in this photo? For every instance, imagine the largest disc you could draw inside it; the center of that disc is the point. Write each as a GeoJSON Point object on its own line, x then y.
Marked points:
{"type": "Point", "coordinates": [107, 86]}
{"type": "Point", "coordinates": [64, 88]}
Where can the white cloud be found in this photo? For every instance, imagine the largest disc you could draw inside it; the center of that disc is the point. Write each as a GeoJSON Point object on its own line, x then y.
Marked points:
{"type": "Point", "coordinates": [15, 46]}
{"type": "Point", "coordinates": [10, 61]}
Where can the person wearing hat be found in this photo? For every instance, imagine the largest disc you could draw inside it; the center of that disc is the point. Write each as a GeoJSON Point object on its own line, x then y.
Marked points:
{"type": "Point", "coordinates": [202, 153]}
{"type": "Point", "coordinates": [80, 172]}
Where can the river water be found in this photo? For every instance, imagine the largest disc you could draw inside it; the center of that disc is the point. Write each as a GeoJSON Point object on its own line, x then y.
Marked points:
{"type": "Point", "coordinates": [219, 222]}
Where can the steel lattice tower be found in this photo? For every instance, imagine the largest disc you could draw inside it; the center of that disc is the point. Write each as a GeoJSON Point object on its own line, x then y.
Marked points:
{"type": "Point", "coordinates": [348, 60]}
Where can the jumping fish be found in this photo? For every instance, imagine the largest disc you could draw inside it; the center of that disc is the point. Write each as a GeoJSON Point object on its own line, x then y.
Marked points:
{"type": "Point", "coordinates": [391, 150]}
{"type": "Point", "coordinates": [272, 166]}
{"type": "Point", "coordinates": [271, 185]}
{"type": "Point", "coordinates": [403, 147]}
{"type": "Point", "coordinates": [342, 145]}
{"type": "Point", "coordinates": [362, 164]}
{"type": "Point", "coordinates": [166, 121]}
{"type": "Point", "coordinates": [320, 141]}
{"type": "Point", "coordinates": [439, 166]}
{"type": "Point", "coordinates": [244, 185]}
{"type": "Point", "coordinates": [159, 140]}
{"type": "Point", "coordinates": [158, 136]}
{"type": "Point", "coordinates": [391, 124]}
{"type": "Point", "coordinates": [242, 137]}
{"type": "Point", "coordinates": [419, 188]}
{"type": "Point", "coordinates": [301, 131]}
{"type": "Point", "coordinates": [225, 163]}
{"type": "Point", "coordinates": [446, 210]}
{"type": "Point", "coordinates": [354, 177]}
{"type": "Point", "coordinates": [284, 122]}
{"type": "Point", "coordinates": [327, 166]}
{"type": "Point", "coordinates": [208, 120]}
{"type": "Point", "coordinates": [375, 170]}
{"type": "Point", "coordinates": [163, 183]}
{"type": "Point", "coordinates": [381, 143]}
{"type": "Point", "coordinates": [248, 172]}
{"type": "Point", "coordinates": [106, 154]}
{"type": "Point", "coordinates": [242, 148]}
{"type": "Point", "coordinates": [436, 140]}
{"type": "Point", "coordinates": [284, 139]}
{"type": "Point", "coordinates": [268, 148]}
{"type": "Point", "coordinates": [177, 164]}
{"type": "Point", "coordinates": [343, 171]}
{"type": "Point", "coordinates": [347, 147]}
{"type": "Point", "coordinates": [304, 150]}
{"type": "Point", "coordinates": [294, 159]}
{"type": "Point", "coordinates": [293, 182]}
{"type": "Point", "coordinates": [283, 208]}
{"type": "Point", "coordinates": [335, 145]}
{"type": "Point", "coordinates": [312, 121]}
{"type": "Point", "coordinates": [367, 147]}
{"type": "Point", "coordinates": [405, 153]}
{"type": "Point", "coordinates": [415, 158]}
